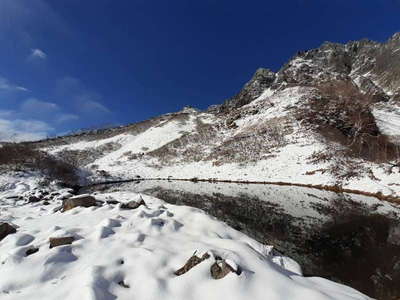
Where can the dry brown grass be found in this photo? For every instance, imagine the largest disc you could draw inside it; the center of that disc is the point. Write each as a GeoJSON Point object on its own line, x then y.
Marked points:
{"type": "Point", "coordinates": [21, 157]}
{"type": "Point", "coordinates": [342, 114]}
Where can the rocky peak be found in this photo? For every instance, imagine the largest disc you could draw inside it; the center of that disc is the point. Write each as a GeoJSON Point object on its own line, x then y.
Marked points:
{"type": "Point", "coordinates": [372, 66]}
{"type": "Point", "coordinates": [189, 110]}
{"type": "Point", "coordinates": [261, 80]}
{"type": "Point", "coordinates": [395, 37]}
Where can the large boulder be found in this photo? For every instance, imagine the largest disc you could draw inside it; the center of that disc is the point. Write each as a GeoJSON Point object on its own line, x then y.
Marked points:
{"type": "Point", "coordinates": [6, 229]}
{"type": "Point", "coordinates": [82, 200]}
{"type": "Point", "coordinates": [133, 204]}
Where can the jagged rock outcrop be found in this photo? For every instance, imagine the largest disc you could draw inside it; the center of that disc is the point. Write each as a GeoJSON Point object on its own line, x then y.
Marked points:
{"type": "Point", "coordinates": [261, 80]}
{"type": "Point", "coordinates": [374, 67]}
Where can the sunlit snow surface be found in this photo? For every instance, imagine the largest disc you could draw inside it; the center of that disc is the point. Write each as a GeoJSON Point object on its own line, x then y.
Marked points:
{"type": "Point", "coordinates": [142, 248]}
{"type": "Point", "coordinates": [388, 120]}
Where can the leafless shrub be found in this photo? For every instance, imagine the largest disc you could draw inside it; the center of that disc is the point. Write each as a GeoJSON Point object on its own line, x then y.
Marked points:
{"type": "Point", "coordinates": [87, 156]}
{"type": "Point", "coordinates": [340, 165]}
{"type": "Point", "coordinates": [342, 114]}
{"type": "Point", "coordinates": [21, 156]}
{"type": "Point", "coordinates": [209, 143]}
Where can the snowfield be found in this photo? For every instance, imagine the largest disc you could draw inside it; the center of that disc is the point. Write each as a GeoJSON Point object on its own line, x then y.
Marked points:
{"type": "Point", "coordinates": [133, 254]}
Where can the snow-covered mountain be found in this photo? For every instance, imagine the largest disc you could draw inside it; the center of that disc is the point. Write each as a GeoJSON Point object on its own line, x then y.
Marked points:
{"type": "Point", "coordinates": [330, 116]}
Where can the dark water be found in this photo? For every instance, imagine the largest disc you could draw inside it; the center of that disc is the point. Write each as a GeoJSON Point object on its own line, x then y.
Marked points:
{"type": "Point", "coordinates": [346, 238]}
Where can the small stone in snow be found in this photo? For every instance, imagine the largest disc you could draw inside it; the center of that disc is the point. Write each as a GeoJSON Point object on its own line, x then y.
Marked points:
{"type": "Point", "coordinates": [112, 202]}
{"type": "Point", "coordinates": [123, 284]}
{"type": "Point", "coordinates": [59, 241]}
{"type": "Point", "coordinates": [192, 262]}
{"type": "Point", "coordinates": [84, 201]}
{"type": "Point", "coordinates": [33, 199]}
{"type": "Point", "coordinates": [220, 269]}
{"type": "Point", "coordinates": [31, 251]}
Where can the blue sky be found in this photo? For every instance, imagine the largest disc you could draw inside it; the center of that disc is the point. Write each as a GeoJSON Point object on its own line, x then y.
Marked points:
{"type": "Point", "coordinates": [70, 64]}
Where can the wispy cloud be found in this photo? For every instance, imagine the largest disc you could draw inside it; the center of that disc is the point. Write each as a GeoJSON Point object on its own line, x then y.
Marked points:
{"type": "Point", "coordinates": [90, 106]}
{"type": "Point", "coordinates": [21, 20]}
{"type": "Point", "coordinates": [35, 107]}
{"type": "Point", "coordinates": [86, 101]}
{"type": "Point", "coordinates": [37, 54]}
{"type": "Point", "coordinates": [33, 119]}
{"type": "Point", "coordinates": [6, 85]}
{"type": "Point", "coordinates": [66, 118]}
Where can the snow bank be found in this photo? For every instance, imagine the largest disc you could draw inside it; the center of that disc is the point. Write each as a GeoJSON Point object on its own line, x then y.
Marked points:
{"type": "Point", "coordinates": [133, 254]}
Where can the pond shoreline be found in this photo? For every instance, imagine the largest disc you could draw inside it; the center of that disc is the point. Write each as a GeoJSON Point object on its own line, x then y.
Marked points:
{"type": "Point", "coordinates": [331, 188]}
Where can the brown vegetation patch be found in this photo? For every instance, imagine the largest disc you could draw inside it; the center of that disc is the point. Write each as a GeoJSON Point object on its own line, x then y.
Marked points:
{"type": "Point", "coordinates": [341, 113]}
{"type": "Point", "coordinates": [22, 156]}
{"type": "Point", "coordinates": [87, 156]}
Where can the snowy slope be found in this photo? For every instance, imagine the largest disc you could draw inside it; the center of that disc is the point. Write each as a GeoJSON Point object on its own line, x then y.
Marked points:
{"type": "Point", "coordinates": [388, 120]}
{"type": "Point", "coordinates": [120, 254]}
{"type": "Point", "coordinates": [151, 139]}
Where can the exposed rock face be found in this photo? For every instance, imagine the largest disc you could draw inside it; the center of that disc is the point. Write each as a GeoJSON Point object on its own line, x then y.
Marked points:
{"type": "Point", "coordinates": [6, 229]}
{"type": "Point", "coordinates": [83, 201]}
{"type": "Point", "coordinates": [262, 79]}
{"type": "Point", "coordinates": [192, 262]}
{"type": "Point", "coordinates": [374, 67]}
{"type": "Point", "coordinates": [60, 241]}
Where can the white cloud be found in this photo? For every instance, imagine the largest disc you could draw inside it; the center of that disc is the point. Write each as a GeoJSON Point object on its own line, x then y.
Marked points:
{"type": "Point", "coordinates": [35, 106]}
{"type": "Point", "coordinates": [30, 121]}
{"type": "Point", "coordinates": [23, 130]}
{"type": "Point", "coordinates": [5, 85]}
{"type": "Point", "coordinates": [38, 54]}
{"type": "Point", "coordinates": [91, 106]}
{"type": "Point", "coordinates": [66, 118]}
{"type": "Point", "coordinates": [6, 113]}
